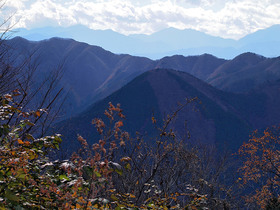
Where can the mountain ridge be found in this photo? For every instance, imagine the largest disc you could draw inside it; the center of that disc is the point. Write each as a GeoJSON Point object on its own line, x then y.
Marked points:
{"type": "Point", "coordinates": [92, 73]}
{"type": "Point", "coordinates": [157, 93]}
{"type": "Point", "coordinates": [167, 42]}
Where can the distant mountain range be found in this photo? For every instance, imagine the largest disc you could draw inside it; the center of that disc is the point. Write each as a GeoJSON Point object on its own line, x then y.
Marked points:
{"type": "Point", "coordinates": [92, 73]}
{"type": "Point", "coordinates": [236, 95]}
{"type": "Point", "coordinates": [167, 42]}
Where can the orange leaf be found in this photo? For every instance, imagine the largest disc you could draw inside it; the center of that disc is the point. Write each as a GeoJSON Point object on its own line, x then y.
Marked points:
{"type": "Point", "coordinates": [20, 141]}
{"type": "Point", "coordinates": [74, 194]}
{"type": "Point", "coordinates": [7, 96]}
{"type": "Point", "coordinates": [119, 124]}
{"type": "Point", "coordinates": [26, 143]}
{"type": "Point", "coordinates": [125, 159]}
{"type": "Point", "coordinates": [38, 113]}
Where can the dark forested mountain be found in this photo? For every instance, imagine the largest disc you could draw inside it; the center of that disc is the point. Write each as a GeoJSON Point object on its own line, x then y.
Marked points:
{"type": "Point", "coordinates": [86, 69]}
{"type": "Point", "coordinates": [218, 118]}
{"type": "Point", "coordinates": [92, 73]}
{"type": "Point", "coordinates": [245, 72]}
{"type": "Point", "coordinates": [199, 66]}
{"type": "Point", "coordinates": [213, 121]}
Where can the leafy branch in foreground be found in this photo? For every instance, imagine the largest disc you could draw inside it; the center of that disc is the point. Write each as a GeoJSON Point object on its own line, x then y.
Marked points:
{"type": "Point", "coordinates": [261, 167]}
{"type": "Point", "coordinates": [23, 182]}
{"type": "Point", "coordinates": [117, 172]}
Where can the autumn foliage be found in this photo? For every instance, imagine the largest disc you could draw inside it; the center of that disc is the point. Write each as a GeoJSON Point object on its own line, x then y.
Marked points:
{"type": "Point", "coordinates": [121, 172]}
{"type": "Point", "coordinates": [261, 166]}
{"type": "Point", "coordinates": [30, 178]}
{"type": "Point", "coordinates": [23, 160]}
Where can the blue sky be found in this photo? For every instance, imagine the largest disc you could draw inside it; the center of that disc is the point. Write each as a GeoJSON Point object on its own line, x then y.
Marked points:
{"type": "Point", "coordinates": [225, 18]}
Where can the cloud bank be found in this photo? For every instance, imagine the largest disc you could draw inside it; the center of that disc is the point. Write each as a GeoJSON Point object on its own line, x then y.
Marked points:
{"type": "Point", "coordinates": [225, 18]}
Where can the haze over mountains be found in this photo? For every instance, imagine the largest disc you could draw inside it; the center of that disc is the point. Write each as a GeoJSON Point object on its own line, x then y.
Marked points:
{"type": "Point", "coordinates": [242, 94]}
{"type": "Point", "coordinates": [92, 73]}
{"type": "Point", "coordinates": [167, 42]}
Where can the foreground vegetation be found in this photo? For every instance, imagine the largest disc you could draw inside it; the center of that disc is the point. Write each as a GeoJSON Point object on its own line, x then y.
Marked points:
{"type": "Point", "coordinates": [120, 172]}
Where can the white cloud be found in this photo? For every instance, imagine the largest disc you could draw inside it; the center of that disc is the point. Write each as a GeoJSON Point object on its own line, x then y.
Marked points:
{"type": "Point", "coordinates": [226, 18]}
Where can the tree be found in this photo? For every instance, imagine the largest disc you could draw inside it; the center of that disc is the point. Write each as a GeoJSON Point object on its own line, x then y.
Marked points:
{"type": "Point", "coordinates": [168, 170]}
{"type": "Point", "coordinates": [7, 72]}
{"type": "Point", "coordinates": [30, 179]}
{"type": "Point", "coordinates": [261, 167]}
{"type": "Point", "coordinates": [20, 71]}
{"type": "Point", "coordinates": [117, 172]}
{"type": "Point", "coordinates": [24, 182]}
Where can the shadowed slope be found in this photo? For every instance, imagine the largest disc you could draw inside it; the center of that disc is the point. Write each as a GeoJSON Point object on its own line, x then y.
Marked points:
{"type": "Point", "coordinates": [158, 92]}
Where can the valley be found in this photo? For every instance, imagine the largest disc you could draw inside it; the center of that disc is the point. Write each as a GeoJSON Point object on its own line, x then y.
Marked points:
{"type": "Point", "coordinates": [237, 96]}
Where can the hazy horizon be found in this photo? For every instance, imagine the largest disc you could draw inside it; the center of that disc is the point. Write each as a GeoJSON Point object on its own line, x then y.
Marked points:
{"type": "Point", "coordinates": [228, 19]}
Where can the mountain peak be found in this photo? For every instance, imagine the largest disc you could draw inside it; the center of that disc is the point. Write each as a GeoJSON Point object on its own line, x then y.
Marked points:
{"type": "Point", "coordinates": [157, 93]}
{"type": "Point", "coordinates": [20, 39]}
{"type": "Point", "coordinates": [249, 58]}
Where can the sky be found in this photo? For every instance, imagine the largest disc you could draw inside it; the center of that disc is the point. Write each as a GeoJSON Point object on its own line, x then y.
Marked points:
{"type": "Point", "coordinates": [224, 18]}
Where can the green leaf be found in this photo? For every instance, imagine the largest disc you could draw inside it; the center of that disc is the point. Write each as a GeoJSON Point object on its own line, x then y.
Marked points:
{"type": "Point", "coordinates": [29, 123]}
{"type": "Point", "coordinates": [56, 145]}
{"type": "Point", "coordinates": [11, 196]}
{"type": "Point", "coordinates": [21, 174]}
{"type": "Point", "coordinates": [120, 172]}
{"type": "Point", "coordinates": [151, 205]}
{"type": "Point", "coordinates": [114, 198]}
{"type": "Point", "coordinates": [57, 139]}
{"type": "Point", "coordinates": [97, 174]}
{"type": "Point", "coordinates": [61, 177]}
{"type": "Point", "coordinates": [128, 166]}
{"type": "Point", "coordinates": [32, 154]}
